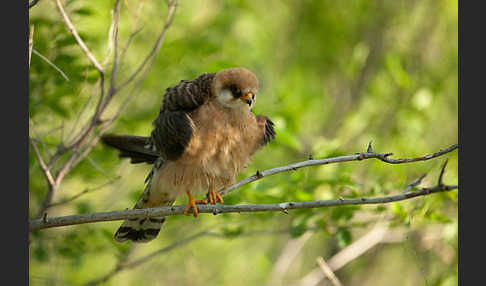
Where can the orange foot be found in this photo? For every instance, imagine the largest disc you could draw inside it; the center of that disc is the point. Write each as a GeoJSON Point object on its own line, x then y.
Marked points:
{"type": "Point", "coordinates": [192, 204]}
{"type": "Point", "coordinates": [214, 197]}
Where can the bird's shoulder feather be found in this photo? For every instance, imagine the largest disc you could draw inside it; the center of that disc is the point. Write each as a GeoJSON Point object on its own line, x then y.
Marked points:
{"type": "Point", "coordinates": [173, 127]}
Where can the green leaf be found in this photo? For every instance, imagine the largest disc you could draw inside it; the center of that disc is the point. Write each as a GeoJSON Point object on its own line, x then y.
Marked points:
{"type": "Point", "coordinates": [232, 231]}
{"type": "Point", "coordinates": [40, 253]}
{"type": "Point", "coordinates": [298, 230]}
{"type": "Point", "coordinates": [83, 11]}
{"type": "Point", "coordinates": [343, 237]}
{"type": "Point", "coordinates": [84, 208]}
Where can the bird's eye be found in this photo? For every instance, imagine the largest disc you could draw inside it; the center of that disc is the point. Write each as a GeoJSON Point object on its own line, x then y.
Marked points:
{"type": "Point", "coordinates": [235, 91]}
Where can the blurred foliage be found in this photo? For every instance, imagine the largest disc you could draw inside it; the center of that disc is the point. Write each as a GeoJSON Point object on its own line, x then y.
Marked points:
{"type": "Point", "coordinates": [334, 75]}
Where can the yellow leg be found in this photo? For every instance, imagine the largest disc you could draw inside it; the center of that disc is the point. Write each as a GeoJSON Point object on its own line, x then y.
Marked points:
{"type": "Point", "coordinates": [192, 204]}
{"type": "Point", "coordinates": [214, 197]}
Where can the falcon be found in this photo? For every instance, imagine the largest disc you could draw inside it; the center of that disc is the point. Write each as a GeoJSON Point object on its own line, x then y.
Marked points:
{"type": "Point", "coordinates": [203, 136]}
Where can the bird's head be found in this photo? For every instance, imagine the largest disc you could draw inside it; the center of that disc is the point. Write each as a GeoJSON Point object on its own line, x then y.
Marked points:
{"type": "Point", "coordinates": [236, 88]}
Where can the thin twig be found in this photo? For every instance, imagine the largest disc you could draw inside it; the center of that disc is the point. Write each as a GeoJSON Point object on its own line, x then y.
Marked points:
{"type": "Point", "coordinates": [114, 69]}
{"type": "Point", "coordinates": [143, 259]}
{"type": "Point", "coordinates": [153, 53]}
{"type": "Point", "coordinates": [442, 170]}
{"type": "Point", "coordinates": [50, 63]}
{"type": "Point", "coordinates": [84, 192]}
{"type": "Point", "coordinates": [45, 169]}
{"type": "Point", "coordinates": [346, 255]}
{"type": "Point", "coordinates": [91, 126]}
{"type": "Point", "coordinates": [417, 261]}
{"type": "Point", "coordinates": [80, 41]}
{"type": "Point", "coordinates": [31, 42]}
{"type": "Point", "coordinates": [152, 56]}
{"type": "Point", "coordinates": [415, 183]}
{"type": "Point", "coordinates": [134, 31]}
{"type": "Point", "coordinates": [286, 258]}
{"type": "Point", "coordinates": [110, 39]}
{"type": "Point", "coordinates": [328, 271]}
{"type": "Point", "coordinates": [423, 158]}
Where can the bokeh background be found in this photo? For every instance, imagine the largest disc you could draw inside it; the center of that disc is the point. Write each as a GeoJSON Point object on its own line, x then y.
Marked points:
{"type": "Point", "coordinates": [333, 74]}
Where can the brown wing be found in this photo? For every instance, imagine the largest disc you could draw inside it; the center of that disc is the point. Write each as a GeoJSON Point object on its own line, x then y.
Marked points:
{"type": "Point", "coordinates": [172, 127]}
{"type": "Point", "coordinates": [267, 127]}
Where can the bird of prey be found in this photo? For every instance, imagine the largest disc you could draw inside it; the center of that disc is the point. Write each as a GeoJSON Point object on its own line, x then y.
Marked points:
{"type": "Point", "coordinates": [203, 136]}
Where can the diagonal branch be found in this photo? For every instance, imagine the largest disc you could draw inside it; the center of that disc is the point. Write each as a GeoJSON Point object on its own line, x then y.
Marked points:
{"type": "Point", "coordinates": [45, 169]}
{"type": "Point", "coordinates": [123, 266]}
{"type": "Point", "coordinates": [158, 43]}
{"type": "Point", "coordinates": [31, 42]}
{"type": "Point", "coordinates": [326, 269]}
{"type": "Point", "coordinates": [59, 70]}
{"type": "Point", "coordinates": [369, 154]}
{"type": "Point", "coordinates": [84, 192]}
{"type": "Point", "coordinates": [78, 38]}
{"type": "Point", "coordinates": [337, 261]}
{"type": "Point", "coordinates": [33, 3]}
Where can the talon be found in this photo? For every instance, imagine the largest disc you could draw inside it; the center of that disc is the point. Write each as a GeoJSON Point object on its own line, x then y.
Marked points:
{"type": "Point", "coordinates": [192, 204]}
{"type": "Point", "coordinates": [214, 197]}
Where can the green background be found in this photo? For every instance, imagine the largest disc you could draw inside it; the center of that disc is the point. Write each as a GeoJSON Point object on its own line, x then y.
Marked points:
{"type": "Point", "coordinates": [333, 76]}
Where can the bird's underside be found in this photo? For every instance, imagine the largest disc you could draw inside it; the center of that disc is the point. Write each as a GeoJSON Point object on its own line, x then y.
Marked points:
{"type": "Point", "coordinates": [204, 135]}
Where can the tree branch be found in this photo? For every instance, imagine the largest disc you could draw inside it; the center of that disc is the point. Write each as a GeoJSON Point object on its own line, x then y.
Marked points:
{"type": "Point", "coordinates": [78, 38]}
{"type": "Point", "coordinates": [33, 3]}
{"type": "Point", "coordinates": [83, 141]}
{"type": "Point", "coordinates": [45, 169]}
{"type": "Point", "coordinates": [49, 63]}
{"type": "Point", "coordinates": [377, 235]}
{"type": "Point", "coordinates": [217, 209]}
{"type": "Point", "coordinates": [328, 271]}
{"type": "Point", "coordinates": [84, 192]}
{"type": "Point", "coordinates": [31, 42]}
{"type": "Point", "coordinates": [369, 154]}
{"type": "Point", "coordinates": [153, 53]}
{"type": "Point", "coordinates": [123, 265]}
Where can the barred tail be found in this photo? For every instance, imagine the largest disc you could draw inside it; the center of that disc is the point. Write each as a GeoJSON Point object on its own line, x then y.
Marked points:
{"type": "Point", "coordinates": [141, 230]}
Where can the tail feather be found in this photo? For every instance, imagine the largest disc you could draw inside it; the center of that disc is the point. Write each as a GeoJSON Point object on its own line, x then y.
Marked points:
{"type": "Point", "coordinates": [145, 229]}
{"type": "Point", "coordinates": [141, 229]}
{"type": "Point", "coordinates": [138, 148]}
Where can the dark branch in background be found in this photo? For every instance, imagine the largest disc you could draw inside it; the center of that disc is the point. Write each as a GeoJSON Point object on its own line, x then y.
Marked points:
{"type": "Point", "coordinates": [33, 3]}
{"type": "Point", "coordinates": [217, 209]}
{"type": "Point", "coordinates": [86, 191]}
{"type": "Point", "coordinates": [123, 265]}
{"type": "Point", "coordinates": [377, 235]}
{"type": "Point", "coordinates": [82, 142]}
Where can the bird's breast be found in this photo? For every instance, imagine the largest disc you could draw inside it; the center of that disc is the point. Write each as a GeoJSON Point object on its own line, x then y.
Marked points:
{"type": "Point", "coordinates": [221, 147]}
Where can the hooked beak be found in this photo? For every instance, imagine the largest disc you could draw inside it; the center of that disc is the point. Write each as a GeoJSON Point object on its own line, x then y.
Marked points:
{"type": "Point", "coordinates": [248, 98]}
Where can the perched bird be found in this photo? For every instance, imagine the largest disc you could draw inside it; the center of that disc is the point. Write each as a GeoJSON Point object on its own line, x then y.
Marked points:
{"type": "Point", "coordinates": [204, 135]}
